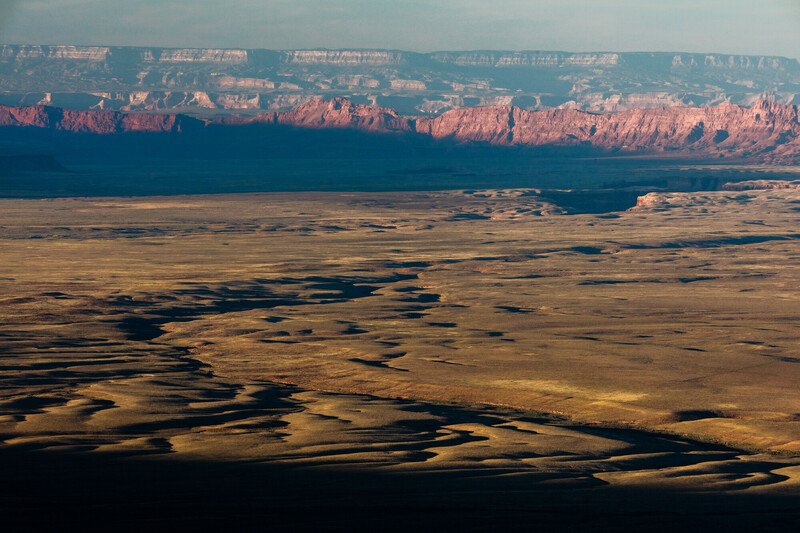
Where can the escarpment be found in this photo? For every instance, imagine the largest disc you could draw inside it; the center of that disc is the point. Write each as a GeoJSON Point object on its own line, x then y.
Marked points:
{"type": "Point", "coordinates": [155, 79]}
{"type": "Point", "coordinates": [767, 131]}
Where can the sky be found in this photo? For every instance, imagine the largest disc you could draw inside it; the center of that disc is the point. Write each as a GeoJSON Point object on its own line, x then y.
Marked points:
{"type": "Point", "coordinates": [769, 27]}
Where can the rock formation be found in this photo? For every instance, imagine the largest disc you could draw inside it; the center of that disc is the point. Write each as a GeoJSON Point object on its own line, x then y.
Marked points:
{"type": "Point", "coordinates": [115, 78]}
{"type": "Point", "coordinates": [341, 113]}
{"type": "Point", "coordinates": [766, 132]}
{"type": "Point", "coordinates": [761, 185]}
{"type": "Point", "coordinates": [768, 129]}
{"type": "Point", "coordinates": [95, 122]}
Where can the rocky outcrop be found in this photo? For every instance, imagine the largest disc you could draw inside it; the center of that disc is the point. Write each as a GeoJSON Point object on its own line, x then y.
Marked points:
{"type": "Point", "coordinates": [219, 102]}
{"type": "Point", "coordinates": [766, 132]}
{"type": "Point", "coordinates": [761, 185]}
{"type": "Point", "coordinates": [232, 82]}
{"type": "Point", "coordinates": [524, 59]}
{"type": "Point", "coordinates": [341, 113]}
{"type": "Point", "coordinates": [734, 62]}
{"type": "Point", "coordinates": [206, 55]}
{"type": "Point", "coordinates": [95, 122]}
{"type": "Point", "coordinates": [81, 53]}
{"type": "Point", "coordinates": [345, 57]}
{"type": "Point", "coordinates": [652, 201]}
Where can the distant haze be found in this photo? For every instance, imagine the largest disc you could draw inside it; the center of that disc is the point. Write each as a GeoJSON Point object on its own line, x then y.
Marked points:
{"type": "Point", "coordinates": [768, 27]}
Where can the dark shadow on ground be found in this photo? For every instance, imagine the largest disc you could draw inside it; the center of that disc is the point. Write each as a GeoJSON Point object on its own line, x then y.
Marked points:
{"type": "Point", "coordinates": [261, 158]}
{"type": "Point", "coordinates": [55, 491]}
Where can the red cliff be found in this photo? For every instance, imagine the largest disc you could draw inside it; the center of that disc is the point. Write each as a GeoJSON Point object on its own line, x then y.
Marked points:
{"type": "Point", "coordinates": [766, 132]}
{"type": "Point", "coordinates": [96, 122]}
{"type": "Point", "coordinates": [342, 113]}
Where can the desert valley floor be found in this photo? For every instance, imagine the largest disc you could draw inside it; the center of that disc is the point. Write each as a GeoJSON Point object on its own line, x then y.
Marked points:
{"type": "Point", "coordinates": [479, 349]}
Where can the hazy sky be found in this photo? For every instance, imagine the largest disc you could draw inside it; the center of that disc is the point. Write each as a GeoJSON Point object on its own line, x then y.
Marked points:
{"type": "Point", "coordinates": [735, 26]}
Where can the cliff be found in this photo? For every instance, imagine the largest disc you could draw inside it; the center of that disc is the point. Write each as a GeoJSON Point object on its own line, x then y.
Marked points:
{"type": "Point", "coordinates": [525, 59]}
{"type": "Point", "coordinates": [341, 113]}
{"type": "Point", "coordinates": [95, 122]}
{"type": "Point", "coordinates": [761, 185]}
{"type": "Point", "coordinates": [206, 55]}
{"type": "Point", "coordinates": [768, 131]}
{"type": "Point", "coordinates": [115, 78]}
{"type": "Point", "coordinates": [345, 57]}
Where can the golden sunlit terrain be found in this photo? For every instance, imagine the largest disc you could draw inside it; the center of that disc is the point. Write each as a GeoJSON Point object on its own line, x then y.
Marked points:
{"type": "Point", "coordinates": [473, 333]}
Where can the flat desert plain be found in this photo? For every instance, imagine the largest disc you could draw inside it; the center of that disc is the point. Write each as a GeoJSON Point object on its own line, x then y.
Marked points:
{"type": "Point", "coordinates": [476, 343]}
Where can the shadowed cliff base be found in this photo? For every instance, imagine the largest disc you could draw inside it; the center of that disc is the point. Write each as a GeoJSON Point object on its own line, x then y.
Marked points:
{"type": "Point", "coordinates": [263, 158]}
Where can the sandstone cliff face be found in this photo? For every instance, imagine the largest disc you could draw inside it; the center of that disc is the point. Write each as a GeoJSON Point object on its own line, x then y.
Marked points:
{"type": "Point", "coordinates": [95, 122]}
{"type": "Point", "coordinates": [81, 53]}
{"type": "Point", "coordinates": [408, 85]}
{"type": "Point", "coordinates": [206, 55]}
{"type": "Point", "coordinates": [768, 129]}
{"type": "Point", "coordinates": [341, 113]}
{"type": "Point", "coordinates": [345, 57]}
{"type": "Point", "coordinates": [766, 132]}
{"type": "Point", "coordinates": [652, 201]}
{"type": "Point", "coordinates": [524, 59]}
